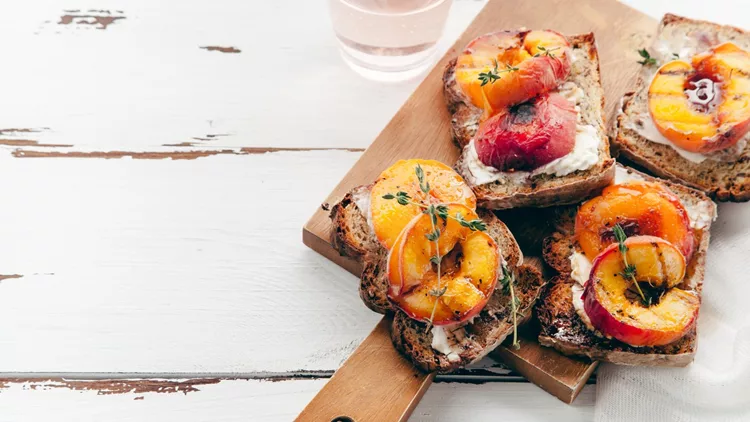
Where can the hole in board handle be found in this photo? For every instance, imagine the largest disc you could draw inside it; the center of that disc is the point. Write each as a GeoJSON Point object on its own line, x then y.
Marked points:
{"type": "Point", "coordinates": [342, 419]}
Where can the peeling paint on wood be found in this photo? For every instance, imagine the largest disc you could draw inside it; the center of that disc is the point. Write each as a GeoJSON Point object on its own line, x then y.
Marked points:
{"type": "Point", "coordinates": [222, 49]}
{"type": "Point", "coordinates": [161, 155]}
{"type": "Point", "coordinates": [29, 143]}
{"type": "Point", "coordinates": [100, 19]}
{"type": "Point", "coordinates": [118, 386]}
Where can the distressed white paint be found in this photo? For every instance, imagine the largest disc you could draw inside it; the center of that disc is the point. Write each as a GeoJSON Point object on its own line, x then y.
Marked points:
{"type": "Point", "coordinates": [172, 266]}
{"type": "Point", "coordinates": [242, 400]}
{"type": "Point", "coordinates": [144, 82]}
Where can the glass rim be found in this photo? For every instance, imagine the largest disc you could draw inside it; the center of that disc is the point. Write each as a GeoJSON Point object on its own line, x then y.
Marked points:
{"type": "Point", "coordinates": [421, 10]}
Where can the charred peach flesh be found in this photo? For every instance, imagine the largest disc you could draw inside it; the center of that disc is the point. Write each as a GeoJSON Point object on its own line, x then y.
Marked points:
{"type": "Point", "coordinates": [641, 208]}
{"type": "Point", "coordinates": [528, 135]}
{"type": "Point", "coordinates": [468, 270]}
{"type": "Point", "coordinates": [389, 217]}
{"type": "Point", "coordinates": [617, 311]}
{"type": "Point", "coordinates": [703, 106]}
{"type": "Point", "coordinates": [542, 60]}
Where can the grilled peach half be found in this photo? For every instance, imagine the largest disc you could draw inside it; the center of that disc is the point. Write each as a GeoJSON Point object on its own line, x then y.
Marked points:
{"type": "Point", "coordinates": [616, 309]}
{"type": "Point", "coordinates": [468, 271]}
{"type": "Point", "coordinates": [703, 106]}
{"type": "Point", "coordinates": [541, 60]}
{"type": "Point", "coordinates": [641, 208]}
{"type": "Point", "coordinates": [528, 135]}
{"type": "Point", "coordinates": [389, 217]}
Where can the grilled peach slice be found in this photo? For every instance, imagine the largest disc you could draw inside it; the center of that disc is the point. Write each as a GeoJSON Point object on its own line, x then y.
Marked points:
{"type": "Point", "coordinates": [468, 271]}
{"type": "Point", "coordinates": [641, 208]}
{"type": "Point", "coordinates": [528, 135]}
{"type": "Point", "coordinates": [617, 310]}
{"type": "Point", "coordinates": [389, 217]}
{"type": "Point", "coordinates": [703, 106]}
{"type": "Point", "coordinates": [541, 60]}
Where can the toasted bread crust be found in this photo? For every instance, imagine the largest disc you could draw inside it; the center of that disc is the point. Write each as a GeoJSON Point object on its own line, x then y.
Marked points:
{"type": "Point", "coordinates": [563, 329]}
{"type": "Point", "coordinates": [542, 190]}
{"type": "Point", "coordinates": [722, 181]}
{"type": "Point", "coordinates": [489, 329]}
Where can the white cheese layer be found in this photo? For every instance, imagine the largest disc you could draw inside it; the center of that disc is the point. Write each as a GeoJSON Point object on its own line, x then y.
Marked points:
{"type": "Point", "coordinates": [649, 131]}
{"type": "Point", "coordinates": [700, 214]}
{"type": "Point", "coordinates": [580, 270]}
{"type": "Point", "coordinates": [362, 200]}
{"type": "Point", "coordinates": [447, 340]}
{"type": "Point", "coordinates": [584, 155]}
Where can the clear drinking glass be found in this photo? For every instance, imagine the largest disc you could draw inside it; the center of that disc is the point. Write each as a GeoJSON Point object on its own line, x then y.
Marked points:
{"type": "Point", "coordinates": [388, 40]}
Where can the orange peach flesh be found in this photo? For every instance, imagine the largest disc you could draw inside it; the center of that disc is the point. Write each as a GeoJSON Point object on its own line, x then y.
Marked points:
{"type": "Point", "coordinates": [468, 270]}
{"type": "Point", "coordinates": [642, 208]}
{"type": "Point", "coordinates": [538, 71]}
{"type": "Point", "coordinates": [703, 106]}
{"type": "Point", "coordinates": [627, 319]}
{"type": "Point", "coordinates": [389, 217]}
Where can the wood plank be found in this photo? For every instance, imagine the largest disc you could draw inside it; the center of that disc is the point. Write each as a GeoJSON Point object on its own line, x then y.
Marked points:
{"type": "Point", "coordinates": [172, 266]}
{"type": "Point", "coordinates": [152, 86]}
{"type": "Point", "coordinates": [256, 400]}
{"type": "Point", "coordinates": [618, 30]}
{"type": "Point", "coordinates": [374, 384]}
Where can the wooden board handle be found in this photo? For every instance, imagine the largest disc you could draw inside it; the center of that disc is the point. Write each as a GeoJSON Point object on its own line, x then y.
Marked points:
{"type": "Point", "coordinates": [374, 384]}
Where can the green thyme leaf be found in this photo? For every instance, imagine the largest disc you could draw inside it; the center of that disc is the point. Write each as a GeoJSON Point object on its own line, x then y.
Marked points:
{"type": "Point", "coordinates": [438, 292]}
{"type": "Point", "coordinates": [436, 260]}
{"type": "Point", "coordinates": [388, 196]}
{"type": "Point", "coordinates": [647, 59]}
{"type": "Point", "coordinates": [433, 236]}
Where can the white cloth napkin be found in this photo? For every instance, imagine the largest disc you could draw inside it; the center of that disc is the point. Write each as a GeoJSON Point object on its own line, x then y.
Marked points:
{"type": "Point", "coordinates": [716, 386]}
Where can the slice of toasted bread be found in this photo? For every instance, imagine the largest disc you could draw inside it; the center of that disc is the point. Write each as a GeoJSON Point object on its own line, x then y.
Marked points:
{"type": "Point", "coordinates": [564, 330]}
{"type": "Point", "coordinates": [353, 237]}
{"type": "Point", "coordinates": [722, 180]}
{"type": "Point", "coordinates": [488, 330]}
{"type": "Point", "coordinates": [540, 190]}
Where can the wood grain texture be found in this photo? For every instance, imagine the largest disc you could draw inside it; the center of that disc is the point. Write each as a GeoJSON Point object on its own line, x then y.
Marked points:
{"type": "Point", "coordinates": [374, 384]}
{"type": "Point", "coordinates": [424, 118]}
{"type": "Point", "coordinates": [259, 401]}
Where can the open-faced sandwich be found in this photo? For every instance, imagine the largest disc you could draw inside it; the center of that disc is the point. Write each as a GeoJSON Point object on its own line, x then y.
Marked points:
{"type": "Point", "coordinates": [453, 274]}
{"type": "Point", "coordinates": [527, 112]}
{"type": "Point", "coordinates": [689, 117]}
{"type": "Point", "coordinates": [631, 264]}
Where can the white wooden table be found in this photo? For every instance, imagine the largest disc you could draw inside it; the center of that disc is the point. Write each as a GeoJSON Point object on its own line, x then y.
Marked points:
{"type": "Point", "coordinates": [158, 161]}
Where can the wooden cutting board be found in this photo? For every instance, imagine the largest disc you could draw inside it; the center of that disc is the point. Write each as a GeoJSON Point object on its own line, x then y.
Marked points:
{"type": "Point", "coordinates": [421, 129]}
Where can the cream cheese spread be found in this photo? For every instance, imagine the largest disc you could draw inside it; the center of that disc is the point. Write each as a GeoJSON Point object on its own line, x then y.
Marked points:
{"type": "Point", "coordinates": [585, 154]}
{"type": "Point", "coordinates": [645, 127]}
{"type": "Point", "coordinates": [362, 199]}
{"type": "Point", "coordinates": [447, 340]}
{"type": "Point", "coordinates": [580, 270]}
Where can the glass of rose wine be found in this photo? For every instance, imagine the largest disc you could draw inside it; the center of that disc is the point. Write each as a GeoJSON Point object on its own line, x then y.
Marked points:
{"type": "Point", "coordinates": [388, 40]}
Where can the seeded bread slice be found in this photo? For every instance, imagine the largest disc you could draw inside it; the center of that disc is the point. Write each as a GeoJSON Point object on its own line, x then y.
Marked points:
{"type": "Point", "coordinates": [542, 190]}
{"type": "Point", "coordinates": [723, 181]}
{"type": "Point", "coordinates": [563, 329]}
{"type": "Point", "coordinates": [353, 237]}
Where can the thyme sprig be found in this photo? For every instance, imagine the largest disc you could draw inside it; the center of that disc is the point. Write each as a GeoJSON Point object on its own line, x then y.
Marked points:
{"type": "Point", "coordinates": [494, 74]}
{"type": "Point", "coordinates": [647, 59]}
{"type": "Point", "coordinates": [629, 271]}
{"type": "Point", "coordinates": [544, 51]}
{"type": "Point", "coordinates": [506, 283]}
{"type": "Point", "coordinates": [435, 211]}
